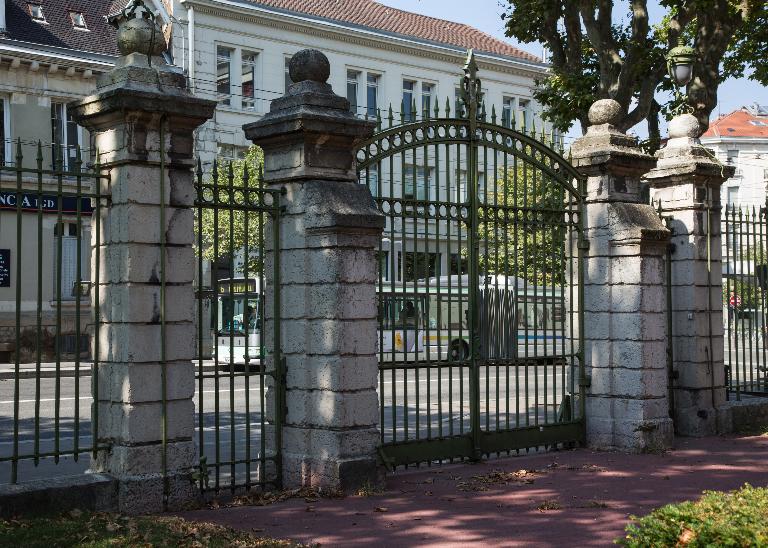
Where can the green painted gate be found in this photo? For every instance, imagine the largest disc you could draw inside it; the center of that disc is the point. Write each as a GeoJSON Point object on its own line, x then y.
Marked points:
{"type": "Point", "coordinates": [480, 335]}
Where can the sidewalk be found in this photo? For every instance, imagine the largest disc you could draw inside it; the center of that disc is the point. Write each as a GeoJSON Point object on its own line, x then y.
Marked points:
{"type": "Point", "coordinates": [567, 498]}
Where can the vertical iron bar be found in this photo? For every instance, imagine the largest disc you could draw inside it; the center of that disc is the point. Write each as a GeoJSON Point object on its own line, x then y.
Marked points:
{"type": "Point", "coordinates": [17, 361]}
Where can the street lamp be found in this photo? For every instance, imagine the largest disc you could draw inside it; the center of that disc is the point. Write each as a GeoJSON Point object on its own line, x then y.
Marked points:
{"type": "Point", "coordinates": [680, 61]}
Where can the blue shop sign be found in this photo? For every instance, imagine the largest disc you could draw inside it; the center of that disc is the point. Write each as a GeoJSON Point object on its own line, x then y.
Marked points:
{"type": "Point", "coordinates": [50, 204]}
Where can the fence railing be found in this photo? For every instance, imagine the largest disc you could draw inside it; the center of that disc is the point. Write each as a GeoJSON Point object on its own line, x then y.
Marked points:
{"type": "Point", "coordinates": [47, 216]}
{"type": "Point", "coordinates": [745, 299]}
{"type": "Point", "coordinates": [234, 227]}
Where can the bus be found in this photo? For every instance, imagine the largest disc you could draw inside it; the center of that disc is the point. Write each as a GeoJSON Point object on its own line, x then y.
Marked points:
{"type": "Point", "coordinates": [238, 325]}
{"type": "Point", "coordinates": [423, 320]}
{"type": "Point", "coordinates": [429, 320]}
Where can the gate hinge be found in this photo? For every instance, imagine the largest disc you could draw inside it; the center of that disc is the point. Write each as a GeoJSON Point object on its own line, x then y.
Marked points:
{"type": "Point", "coordinates": [583, 244]}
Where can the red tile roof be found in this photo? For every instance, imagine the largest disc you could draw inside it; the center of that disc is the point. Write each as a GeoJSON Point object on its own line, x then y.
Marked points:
{"type": "Point", "coordinates": [368, 13]}
{"type": "Point", "coordinates": [738, 123]}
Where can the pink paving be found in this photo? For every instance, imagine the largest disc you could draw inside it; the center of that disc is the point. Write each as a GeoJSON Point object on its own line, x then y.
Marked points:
{"type": "Point", "coordinates": [469, 505]}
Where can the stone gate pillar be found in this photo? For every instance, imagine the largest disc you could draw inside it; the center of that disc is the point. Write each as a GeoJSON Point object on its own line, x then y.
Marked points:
{"type": "Point", "coordinates": [329, 231]}
{"type": "Point", "coordinates": [686, 183]}
{"type": "Point", "coordinates": [142, 118]}
{"type": "Point", "coordinates": [627, 405]}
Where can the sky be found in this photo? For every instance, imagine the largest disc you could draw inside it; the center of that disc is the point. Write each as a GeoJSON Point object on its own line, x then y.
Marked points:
{"type": "Point", "coordinates": [486, 16]}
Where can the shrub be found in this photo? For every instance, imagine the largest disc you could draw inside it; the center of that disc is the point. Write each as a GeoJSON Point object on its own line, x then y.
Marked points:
{"type": "Point", "coordinates": [735, 518]}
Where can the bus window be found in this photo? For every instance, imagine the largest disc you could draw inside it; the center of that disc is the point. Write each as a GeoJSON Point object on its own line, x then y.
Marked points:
{"type": "Point", "coordinates": [234, 314]}
{"type": "Point", "coordinates": [434, 312]}
{"type": "Point", "coordinates": [453, 313]}
{"type": "Point", "coordinates": [400, 312]}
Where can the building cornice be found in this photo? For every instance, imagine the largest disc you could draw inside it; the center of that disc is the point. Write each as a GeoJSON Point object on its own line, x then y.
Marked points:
{"type": "Point", "coordinates": [361, 36]}
{"type": "Point", "coordinates": [715, 139]}
{"type": "Point", "coordinates": [65, 58]}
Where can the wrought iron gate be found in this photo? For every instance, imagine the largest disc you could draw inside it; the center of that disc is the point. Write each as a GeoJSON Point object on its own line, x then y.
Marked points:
{"type": "Point", "coordinates": [745, 299]}
{"type": "Point", "coordinates": [479, 296]}
{"type": "Point", "coordinates": [238, 361]}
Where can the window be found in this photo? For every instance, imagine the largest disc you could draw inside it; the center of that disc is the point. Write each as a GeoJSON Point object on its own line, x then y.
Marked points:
{"type": "Point", "coordinates": [68, 234]}
{"type": "Point", "coordinates": [288, 80]}
{"type": "Point", "coordinates": [461, 186]}
{"type": "Point", "coordinates": [507, 110]}
{"type": "Point", "coordinates": [370, 177]}
{"type": "Point", "coordinates": [427, 94]}
{"type": "Point", "coordinates": [65, 136]}
{"type": "Point", "coordinates": [758, 123]}
{"type": "Point", "coordinates": [458, 264]}
{"type": "Point", "coordinates": [373, 94]}
{"type": "Point", "coordinates": [383, 264]}
{"type": "Point", "coordinates": [231, 152]}
{"type": "Point", "coordinates": [36, 12]}
{"type": "Point", "coordinates": [733, 196]}
{"type": "Point", "coordinates": [418, 265]}
{"type": "Point", "coordinates": [732, 155]}
{"type": "Point", "coordinates": [524, 106]}
{"type": "Point", "coordinates": [409, 101]}
{"type": "Point", "coordinates": [416, 185]}
{"type": "Point", "coordinates": [78, 20]}
{"type": "Point", "coordinates": [458, 108]}
{"type": "Point", "coordinates": [248, 79]}
{"type": "Point", "coordinates": [765, 175]}
{"type": "Point", "coordinates": [224, 75]}
{"type": "Point", "coordinates": [353, 78]}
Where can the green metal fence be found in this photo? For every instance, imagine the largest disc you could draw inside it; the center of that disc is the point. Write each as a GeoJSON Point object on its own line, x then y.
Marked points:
{"type": "Point", "coordinates": [480, 262]}
{"type": "Point", "coordinates": [50, 203]}
{"type": "Point", "coordinates": [237, 326]}
{"type": "Point", "coordinates": [745, 296]}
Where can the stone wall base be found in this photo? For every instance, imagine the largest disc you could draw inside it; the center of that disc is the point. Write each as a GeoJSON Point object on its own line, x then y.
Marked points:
{"type": "Point", "coordinates": [144, 494]}
{"type": "Point", "coordinates": [96, 492]}
{"type": "Point", "coordinates": [347, 475]}
{"type": "Point", "coordinates": [750, 413]}
{"type": "Point", "coordinates": [630, 436]}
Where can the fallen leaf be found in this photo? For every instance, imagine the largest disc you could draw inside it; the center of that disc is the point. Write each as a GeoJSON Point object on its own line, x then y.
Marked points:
{"type": "Point", "coordinates": [381, 509]}
{"type": "Point", "coordinates": [686, 537]}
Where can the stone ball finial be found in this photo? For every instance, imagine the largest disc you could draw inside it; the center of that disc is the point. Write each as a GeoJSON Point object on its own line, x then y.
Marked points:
{"type": "Point", "coordinates": [685, 125]}
{"type": "Point", "coordinates": [137, 30]}
{"type": "Point", "coordinates": [605, 111]}
{"type": "Point", "coordinates": [309, 64]}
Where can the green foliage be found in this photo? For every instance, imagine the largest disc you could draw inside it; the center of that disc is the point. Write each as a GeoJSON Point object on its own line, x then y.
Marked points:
{"type": "Point", "coordinates": [531, 242]}
{"type": "Point", "coordinates": [596, 53]}
{"type": "Point", "coordinates": [735, 518]}
{"type": "Point", "coordinates": [96, 530]}
{"type": "Point", "coordinates": [227, 231]}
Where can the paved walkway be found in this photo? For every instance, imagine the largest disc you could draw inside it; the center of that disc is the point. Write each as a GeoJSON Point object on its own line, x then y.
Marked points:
{"type": "Point", "coordinates": [567, 498]}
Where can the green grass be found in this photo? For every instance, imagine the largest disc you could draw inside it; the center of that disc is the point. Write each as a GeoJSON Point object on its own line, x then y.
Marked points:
{"type": "Point", "coordinates": [96, 530]}
{"type": "Point", "coordinates": [736, 518]}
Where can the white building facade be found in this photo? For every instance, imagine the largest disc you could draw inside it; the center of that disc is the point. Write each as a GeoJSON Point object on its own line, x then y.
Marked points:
{"type": "Point", "coordinates": [237, 52]}
{"type": "Point", "coordinates": [740, 139]}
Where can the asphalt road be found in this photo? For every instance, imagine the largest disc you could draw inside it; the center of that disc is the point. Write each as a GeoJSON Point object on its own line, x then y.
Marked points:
{"type": "Point", "coordinates": [423, 403]}
{"type": "Point", "coordinates": [435, 403]}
